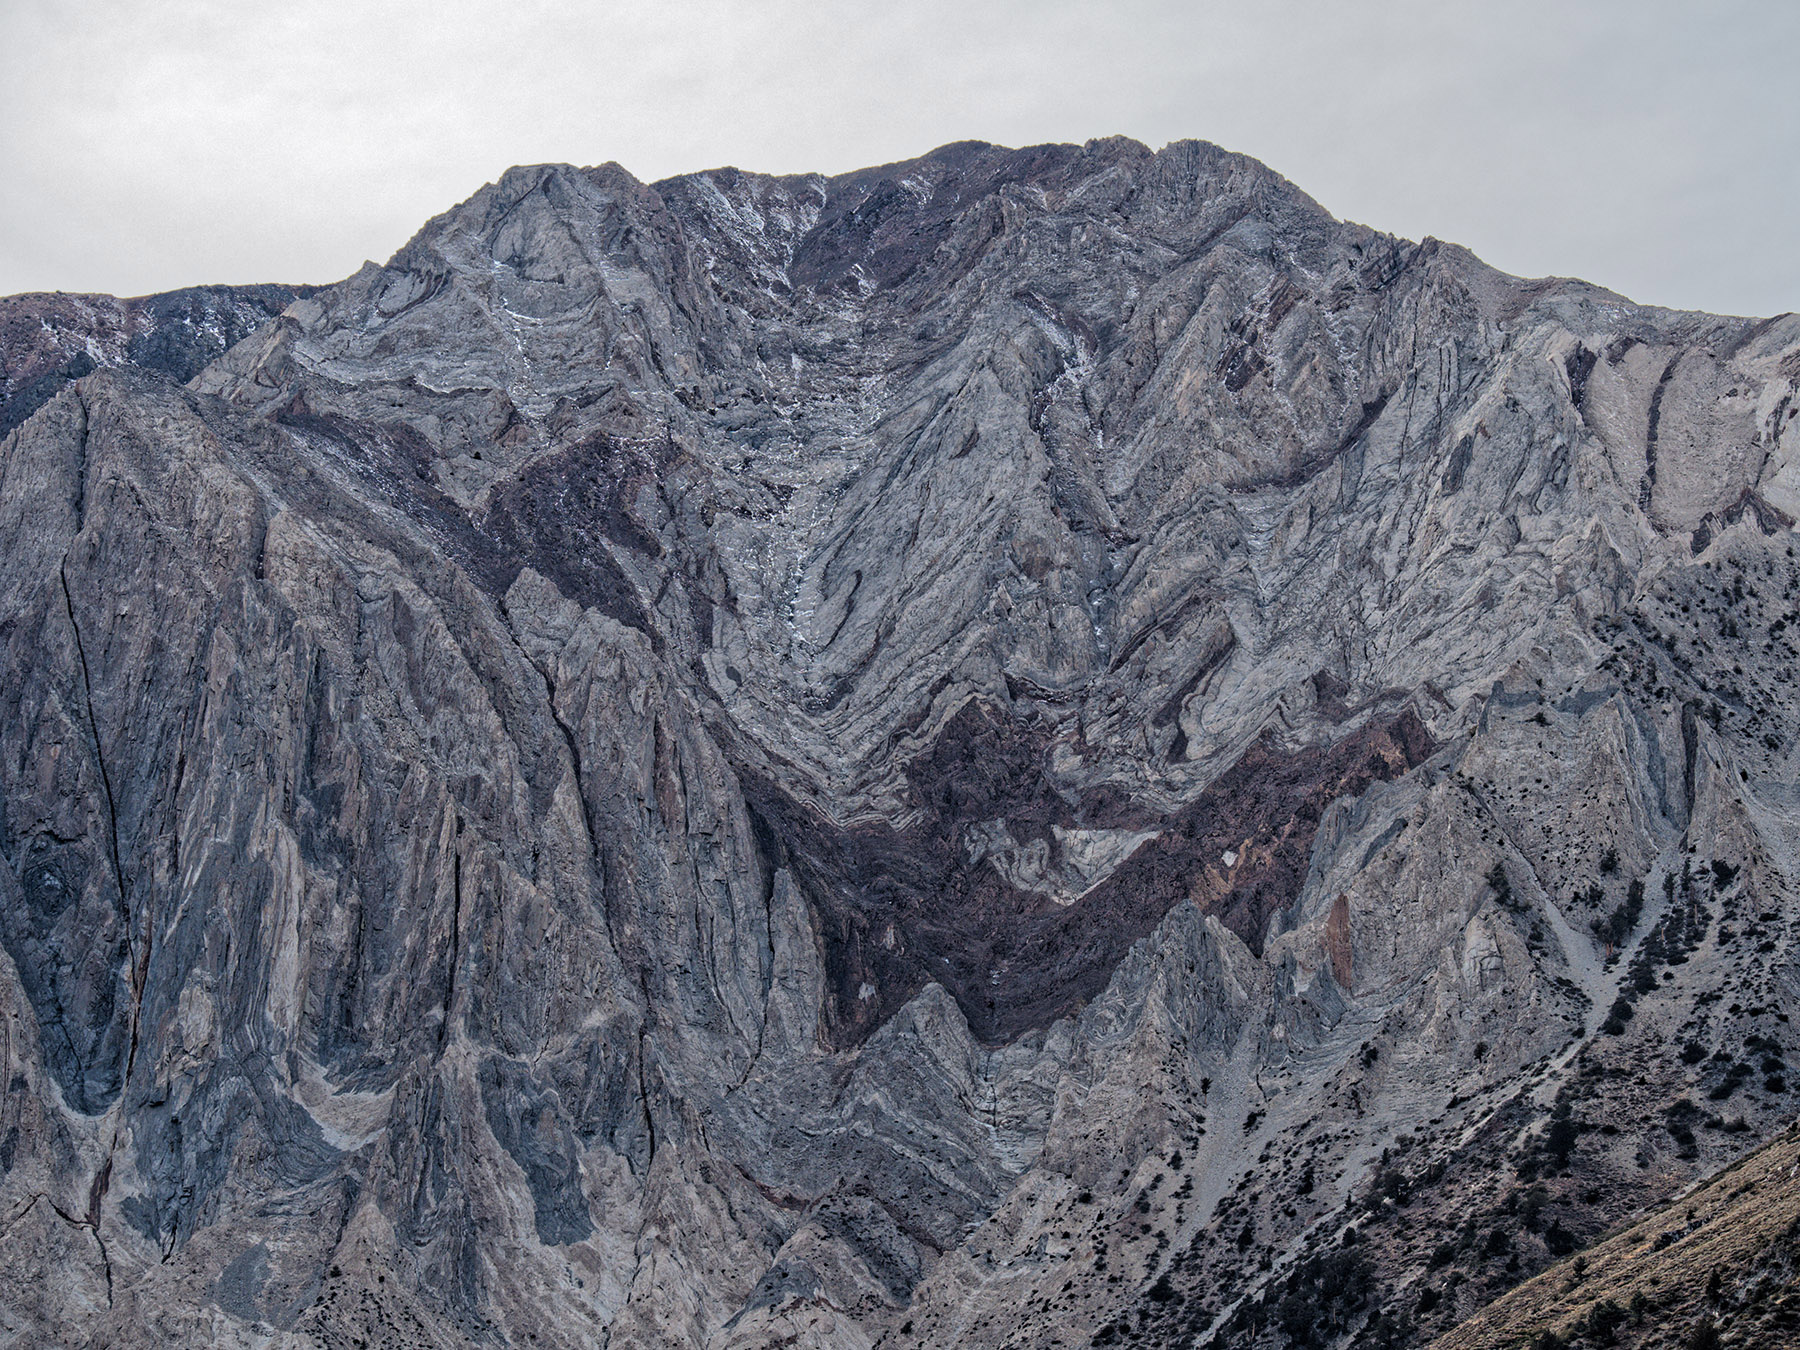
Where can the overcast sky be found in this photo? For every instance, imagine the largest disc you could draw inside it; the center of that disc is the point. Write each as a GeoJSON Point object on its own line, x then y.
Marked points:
{"type": "Point", "coordinates": [1647, 145]}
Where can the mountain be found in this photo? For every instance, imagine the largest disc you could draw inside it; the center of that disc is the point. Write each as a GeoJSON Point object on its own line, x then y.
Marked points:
{"type": "Point", "coordinates": [49, 341]}
{"type": "Point", "coordinates": [1027, 748]}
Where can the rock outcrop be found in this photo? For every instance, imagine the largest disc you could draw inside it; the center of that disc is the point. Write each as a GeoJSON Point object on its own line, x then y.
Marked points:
{"type": "Point", "coordinates": [1030, 747]}
{"type": "Point", "coordinates": [49, 341]}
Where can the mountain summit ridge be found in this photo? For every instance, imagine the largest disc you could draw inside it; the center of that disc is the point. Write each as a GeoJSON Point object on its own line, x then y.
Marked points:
{"type": "Point", "coordinates": [1028, 747]}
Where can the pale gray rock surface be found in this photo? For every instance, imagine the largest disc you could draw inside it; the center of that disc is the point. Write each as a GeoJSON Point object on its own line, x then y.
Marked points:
{"type": "Point", "coordinates": [990, 751]}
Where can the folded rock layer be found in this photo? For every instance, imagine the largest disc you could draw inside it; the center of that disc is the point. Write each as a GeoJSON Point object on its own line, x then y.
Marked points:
{"type": "Point", "coordinates": [1026, 748]}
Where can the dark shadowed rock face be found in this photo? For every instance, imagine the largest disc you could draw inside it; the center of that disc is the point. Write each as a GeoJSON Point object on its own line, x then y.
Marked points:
{"type": "Point", "coordinates": [992, 751]}
{"type": "Point", "coordinates": [899, 908]}
{"type": "Point", "coordinates": [47, 341]}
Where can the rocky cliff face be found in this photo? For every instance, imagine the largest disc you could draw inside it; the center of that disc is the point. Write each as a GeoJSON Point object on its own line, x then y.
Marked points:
{"type": "Point", "coordinates": [49, 341]}
{"type": "Point", "coordinates": [1027, 748]}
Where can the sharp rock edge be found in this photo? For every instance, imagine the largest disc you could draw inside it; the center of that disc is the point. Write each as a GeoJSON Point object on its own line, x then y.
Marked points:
{"type": "Point", "coordinates": [1028, 748]}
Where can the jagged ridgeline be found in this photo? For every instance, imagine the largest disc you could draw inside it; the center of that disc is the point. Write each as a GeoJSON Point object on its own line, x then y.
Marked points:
{"type": "Point", "coordinates": [1030, 748]}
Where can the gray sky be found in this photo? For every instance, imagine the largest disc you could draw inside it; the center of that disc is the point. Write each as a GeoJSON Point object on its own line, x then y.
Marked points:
{"type": "Point", "coordinates": [1648, 145]}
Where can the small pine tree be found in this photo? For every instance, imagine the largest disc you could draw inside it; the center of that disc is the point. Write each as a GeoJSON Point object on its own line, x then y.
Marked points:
{"type": "Point", "coordinates": [1497, 879]}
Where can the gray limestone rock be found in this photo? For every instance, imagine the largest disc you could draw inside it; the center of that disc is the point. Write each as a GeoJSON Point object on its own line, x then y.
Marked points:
{"type": "Point", "coordinates": [49, 341]}
{"type": "Point", "coordinates": [997, 750]}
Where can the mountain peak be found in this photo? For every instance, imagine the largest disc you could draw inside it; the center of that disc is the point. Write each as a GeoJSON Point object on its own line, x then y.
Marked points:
{"type": "Point", "coordinates": [1025, 747]}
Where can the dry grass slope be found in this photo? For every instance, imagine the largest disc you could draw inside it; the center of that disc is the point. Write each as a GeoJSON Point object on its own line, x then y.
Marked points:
{"type": "Point", "coordinates": [1715, 1268]}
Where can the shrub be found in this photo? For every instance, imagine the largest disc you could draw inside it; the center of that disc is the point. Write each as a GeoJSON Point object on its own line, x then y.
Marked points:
{"type": "Point", "coordinates": [1621, 1013]}
{"type": "Point", "coordinates": [1559, 1139]}
{"type": "Point", "coordinates": [1321, 1299]}
{"type": "Point", "coordinates": [1502, 888]}
{"type": "Point", "coordinates": [1617, 926]}
{"type": "Point", "coordinates": [1531, 1207]}
{"type": "Point", "coordinates": [1390, 1184]}
{"type": "Point", "coordinates": [1603, 1321]}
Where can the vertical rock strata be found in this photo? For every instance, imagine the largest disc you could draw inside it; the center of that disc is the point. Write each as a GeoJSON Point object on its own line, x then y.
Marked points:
{"type": "Point", "coordinates": [1028, 748]}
